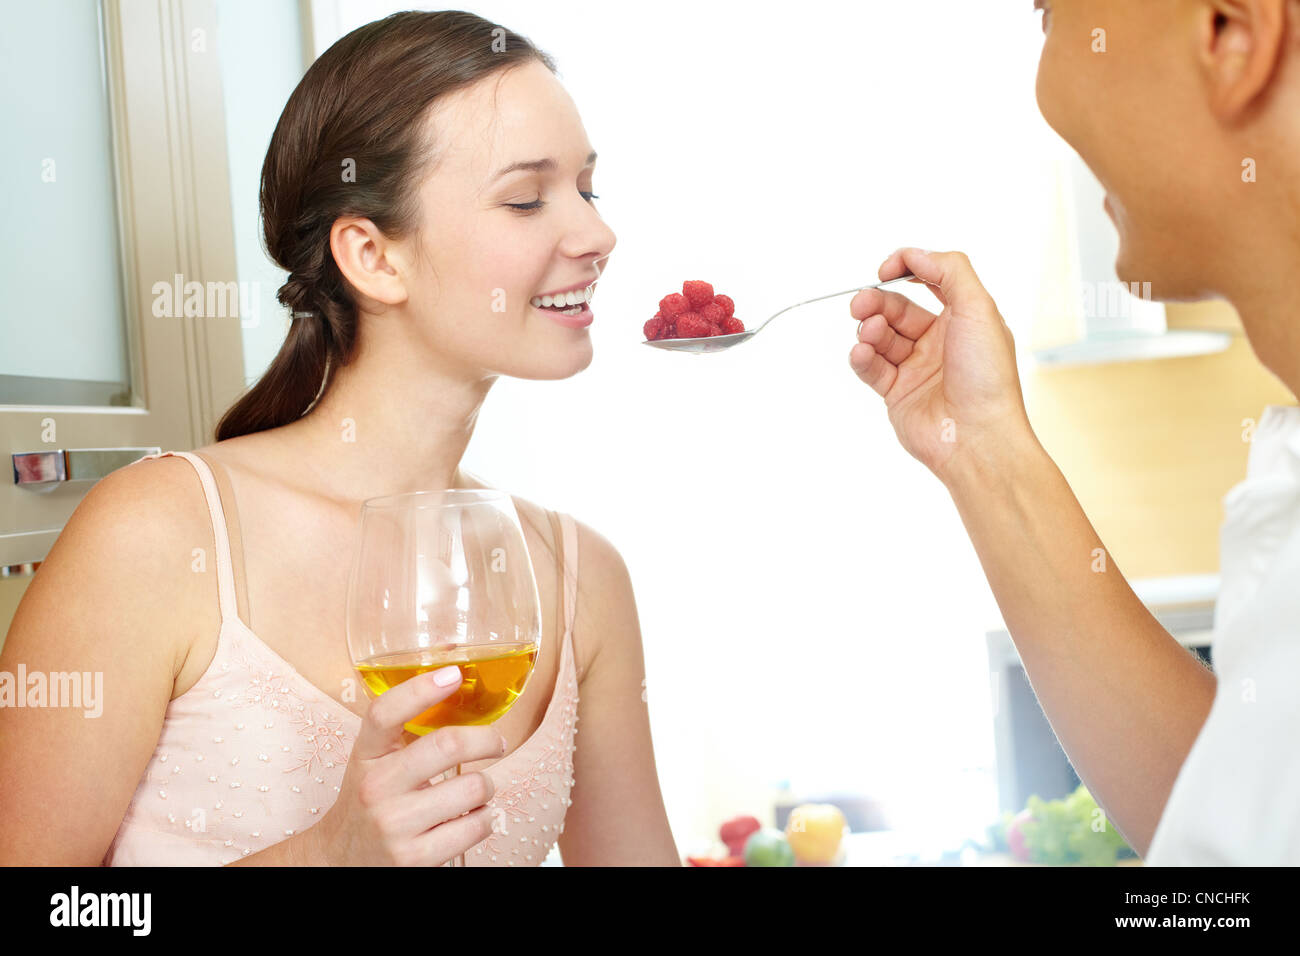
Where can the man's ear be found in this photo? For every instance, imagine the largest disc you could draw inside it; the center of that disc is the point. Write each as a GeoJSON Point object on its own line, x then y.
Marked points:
{"type": "Point", "coordinates": [1242, 46]}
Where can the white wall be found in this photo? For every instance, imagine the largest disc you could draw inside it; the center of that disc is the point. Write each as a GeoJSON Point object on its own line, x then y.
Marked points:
{"type": "Point", "coordinates": [261, 62]}
{"type": "Point", "coordinates": [811, 607]}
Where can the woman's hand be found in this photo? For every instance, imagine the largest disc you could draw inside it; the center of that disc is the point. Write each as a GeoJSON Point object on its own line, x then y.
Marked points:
{"type": "Point", "coordinates": [391, 808]}
{"type": "Point", "coordinates": [949, 380]}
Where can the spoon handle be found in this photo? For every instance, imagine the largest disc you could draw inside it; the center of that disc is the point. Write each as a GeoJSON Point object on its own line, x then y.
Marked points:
{"type": "Point", "coordinates": [903, 278]}
{"type": "Point", "coordinates": [878, 285]}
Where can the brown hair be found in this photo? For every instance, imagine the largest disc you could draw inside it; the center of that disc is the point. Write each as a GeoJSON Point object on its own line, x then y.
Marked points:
{"type": "Point", "coordinates": [364, 100]}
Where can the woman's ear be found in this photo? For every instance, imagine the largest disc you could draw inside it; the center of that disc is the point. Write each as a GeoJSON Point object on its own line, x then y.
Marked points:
{"type": "Point", "coordinates": [1243, 44]}
{"type": "Point", "coordinates": [364, 256]}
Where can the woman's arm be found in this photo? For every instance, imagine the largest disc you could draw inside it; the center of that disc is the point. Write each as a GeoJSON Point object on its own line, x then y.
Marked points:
{"type": "Point", "coordinates": [112, 599]}
{"type": "Point", "coordinates": [1124, 698]}
{"type": "Point", "coordinates": [617, 814]}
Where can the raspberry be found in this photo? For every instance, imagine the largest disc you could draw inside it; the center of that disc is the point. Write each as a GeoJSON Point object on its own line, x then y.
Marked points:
{"type": "Point", "coordinates": [693, 313]}
{"type": "Point", "coordinates": [674, 305]}
{"type": "Point", "coordinates": [691, 325]}
{"type": "Point", "coordinates": [698, 294]}
{"type": "Point", "coordinates": [713, 312]}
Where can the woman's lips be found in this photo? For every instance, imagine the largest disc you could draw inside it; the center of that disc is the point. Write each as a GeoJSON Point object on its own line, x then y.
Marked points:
{"type": "Point", "coordinates": [578, 321]}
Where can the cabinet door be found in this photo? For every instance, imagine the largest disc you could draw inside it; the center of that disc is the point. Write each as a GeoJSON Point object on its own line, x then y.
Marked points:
{"type": "Point", "coordinates": [114, 188]}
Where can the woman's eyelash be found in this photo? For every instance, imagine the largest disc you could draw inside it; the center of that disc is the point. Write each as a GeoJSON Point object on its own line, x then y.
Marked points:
{"type": "Point", "coordinates": [538, 203]}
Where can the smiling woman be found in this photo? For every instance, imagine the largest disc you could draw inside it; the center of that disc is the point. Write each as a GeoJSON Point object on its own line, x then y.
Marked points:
{"type": "Point", "coordinates": [399, 162]}
{"type": "Point", "coordinates": [429, 189]}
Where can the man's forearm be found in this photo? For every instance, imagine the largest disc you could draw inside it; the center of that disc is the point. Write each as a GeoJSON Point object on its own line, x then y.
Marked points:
{"type": "Point", "coordinates": [1124, 698]}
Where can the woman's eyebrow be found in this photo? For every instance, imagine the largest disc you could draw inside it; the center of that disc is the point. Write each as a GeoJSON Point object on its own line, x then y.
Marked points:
{"type": "Point", "coordinates": [536, 166]}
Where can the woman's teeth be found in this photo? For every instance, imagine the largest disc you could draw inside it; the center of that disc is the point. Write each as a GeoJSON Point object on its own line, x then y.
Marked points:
{"type": "Point", "coordinates": [569, 303]}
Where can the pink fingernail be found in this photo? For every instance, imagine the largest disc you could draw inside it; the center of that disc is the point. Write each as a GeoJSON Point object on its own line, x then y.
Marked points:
{"type": "Point", "coordinates": [447, 676]}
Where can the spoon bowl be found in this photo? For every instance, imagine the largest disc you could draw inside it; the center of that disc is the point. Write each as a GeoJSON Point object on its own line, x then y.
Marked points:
{"type": "Point", "coordinates": [701, 346]}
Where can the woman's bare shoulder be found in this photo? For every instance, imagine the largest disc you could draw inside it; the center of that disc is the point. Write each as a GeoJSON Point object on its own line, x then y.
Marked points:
{"type": "Point", "coordinates": [145, 508]}
{"type": "Point", "coordinates": [126, 558]}
{"type": "Point", "coordinates": [116, 597]}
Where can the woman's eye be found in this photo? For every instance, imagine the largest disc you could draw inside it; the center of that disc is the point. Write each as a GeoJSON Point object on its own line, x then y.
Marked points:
{"type": "Point", "coordinates": [539, 203]}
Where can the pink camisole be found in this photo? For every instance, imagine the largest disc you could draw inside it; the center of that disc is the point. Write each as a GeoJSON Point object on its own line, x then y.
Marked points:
{"type": "Point", "coordinates": [254, 753]}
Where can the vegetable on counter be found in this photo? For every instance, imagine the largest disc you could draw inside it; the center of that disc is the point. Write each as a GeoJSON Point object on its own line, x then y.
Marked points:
{"type": "Point", "coordinates": [768, 847]}
{"type": "Point", "coordinates": [1071, 831]}
{"type": "Point", "coordinates": [815, 831]}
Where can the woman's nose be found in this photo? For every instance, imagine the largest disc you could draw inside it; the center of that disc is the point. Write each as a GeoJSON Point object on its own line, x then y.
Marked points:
{"type": "Point", "coordinates": [590, 235]}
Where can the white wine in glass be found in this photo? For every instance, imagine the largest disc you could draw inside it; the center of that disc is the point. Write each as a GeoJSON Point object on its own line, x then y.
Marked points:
{"type": "Point", "coordinates": [441, 578]}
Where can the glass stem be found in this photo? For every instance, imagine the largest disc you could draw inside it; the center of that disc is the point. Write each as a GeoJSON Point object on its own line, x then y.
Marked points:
{"type": "Point", "coordinates": [459, 858]}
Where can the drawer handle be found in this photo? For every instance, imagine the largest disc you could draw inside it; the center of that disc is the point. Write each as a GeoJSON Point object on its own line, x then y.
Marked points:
{"type": "Point", "coordinates": [73, 464]}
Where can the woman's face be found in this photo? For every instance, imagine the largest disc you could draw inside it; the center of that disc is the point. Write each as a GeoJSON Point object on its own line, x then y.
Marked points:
{"type": "Point", "coordinates": [497, 234]}
{"type": "Point", "coordinates": [1132, 103]}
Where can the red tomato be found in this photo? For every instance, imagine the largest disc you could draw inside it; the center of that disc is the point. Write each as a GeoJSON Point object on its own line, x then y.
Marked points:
{"type": "Point", "coordinates": [736, 831]}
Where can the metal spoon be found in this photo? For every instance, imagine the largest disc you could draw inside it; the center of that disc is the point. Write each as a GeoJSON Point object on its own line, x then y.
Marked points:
{"type": "Point", "coordinates": [720, 343]}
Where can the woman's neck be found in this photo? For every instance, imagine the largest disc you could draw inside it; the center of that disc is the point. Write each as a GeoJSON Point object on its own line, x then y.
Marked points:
{"type": "Point", "coordinates": [388, 423]}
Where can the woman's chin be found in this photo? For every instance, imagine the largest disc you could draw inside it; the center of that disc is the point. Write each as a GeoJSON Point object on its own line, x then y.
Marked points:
{"type": "Point", "coordinates": [553, 362]}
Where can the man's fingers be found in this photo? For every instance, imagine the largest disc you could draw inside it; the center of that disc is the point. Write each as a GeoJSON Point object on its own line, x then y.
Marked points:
{"type": "Point", "coordinates": [949, 274]}
{"type": "Point", "coordinates": [877, 332]}
{"type": "Point", "coordinates": [872, 368]}
{"type": "Point", "coordinates": [904, 315]}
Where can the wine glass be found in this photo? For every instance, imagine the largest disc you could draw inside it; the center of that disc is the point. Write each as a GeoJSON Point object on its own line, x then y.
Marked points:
{"type": "Point", "coordinates": [440, 578]}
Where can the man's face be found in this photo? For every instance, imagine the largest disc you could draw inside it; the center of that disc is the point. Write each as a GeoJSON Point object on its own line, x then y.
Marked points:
{"type": "Point", "coordinates": [1121, 82]}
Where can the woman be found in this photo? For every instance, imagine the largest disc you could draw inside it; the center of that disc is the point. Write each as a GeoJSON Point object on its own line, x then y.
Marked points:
{"type": "Point", "coordinates": [428, 187]}
{"type": "Point", "coordinates": [1192, 93]}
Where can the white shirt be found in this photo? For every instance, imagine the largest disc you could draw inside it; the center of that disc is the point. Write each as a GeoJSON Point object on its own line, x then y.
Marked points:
{"type": "Point", "coordinates": [1236, 801]}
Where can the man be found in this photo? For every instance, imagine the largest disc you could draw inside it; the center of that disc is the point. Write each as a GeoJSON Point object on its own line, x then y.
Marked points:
{"type": "Point", "coordinates": [1191, 767]}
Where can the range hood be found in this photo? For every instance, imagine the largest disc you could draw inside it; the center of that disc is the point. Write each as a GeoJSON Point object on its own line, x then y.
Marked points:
{"type": "Point", "coordinates": [1100, 319]}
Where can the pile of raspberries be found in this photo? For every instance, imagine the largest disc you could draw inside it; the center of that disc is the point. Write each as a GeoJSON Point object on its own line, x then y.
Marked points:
{"type": "Point", "coordinates": [693, 313]}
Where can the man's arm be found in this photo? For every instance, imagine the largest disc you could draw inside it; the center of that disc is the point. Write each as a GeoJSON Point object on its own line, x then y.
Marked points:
{"type": "Point", "coordinates": [1124, 698]}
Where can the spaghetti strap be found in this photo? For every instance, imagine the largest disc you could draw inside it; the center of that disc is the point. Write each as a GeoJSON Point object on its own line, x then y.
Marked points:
{"type": "Point", "coordinates": [570, 560]}
{"type": "Point", "coordinates": [558, 537]}
{"type": "Point", "coordinates": [225, 571]}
